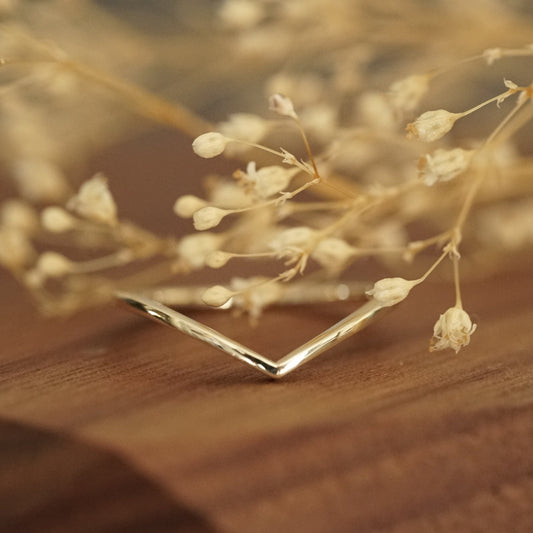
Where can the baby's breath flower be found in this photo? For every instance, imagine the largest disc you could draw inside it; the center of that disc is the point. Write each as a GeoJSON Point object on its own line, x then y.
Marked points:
{"type": "Point", "coordinates": [209, 144]}
{"type": "Point", "coordinates": [375, 111]}
{"type": "Point", "coordinates": [333, 253]}
{"type": "Point", "coordinates": [245, 127]}
{"type": "Point", "coordinates": [240, 14]}
{"type": "Point", "coordinates": [16, 250]}
{"type": "Point", "coordinates": [217, 259]}
{"type": "Point", "coordinates": [320, 120]}
{"type": "Point", "coordinates": [452, 330]}
{"type": "Point", "coordinates": [20, 215]}
{"type": "Point", "coordinates": [282, 105]}
{"type": "Point", "coordinates": [57, 220]}
{"type": "Point", "coordinates": [254, 294]}
{"type": "Point", "coordinates": [40, 180]}
{"type": "Point", "coordinates": [443, 165]}
{"type": "Point", "coordinates": [293, 238]}
{"type": "Point", "coordinates": [432, 125]}
{"type": "Point", "coordinates": [53, 265]}
{"type": "Point", "coordinates": [390, 291]}
{"type": "Point", "coordinates": [187, 205]}
{"type": "Point", "coordinates": [217, 296]}
{"type": "Point", "coordinates": [194, 249]}
{"type": "Point", "coordinates": [229, 195]}
{"type": "Point", "coordinates": [95, 202]}
{"type": "Point", "coordinates": [208, 217]}
{"type": "Point", "coordinates": [268, 181]}
{"type": "Point", "coordinates": [405, 94]}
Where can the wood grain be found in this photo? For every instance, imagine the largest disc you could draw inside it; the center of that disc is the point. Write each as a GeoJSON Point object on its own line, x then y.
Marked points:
{"type": "Point", "coordinates": [109, 422]}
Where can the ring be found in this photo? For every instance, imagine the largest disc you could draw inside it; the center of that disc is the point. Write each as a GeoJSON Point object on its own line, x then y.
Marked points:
{"type": "Point", "coordinates": [343, 329]}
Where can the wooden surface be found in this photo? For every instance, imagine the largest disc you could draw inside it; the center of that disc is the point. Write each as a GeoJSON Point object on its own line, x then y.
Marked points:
{"type": "Point", "coordinates": [109, 422]}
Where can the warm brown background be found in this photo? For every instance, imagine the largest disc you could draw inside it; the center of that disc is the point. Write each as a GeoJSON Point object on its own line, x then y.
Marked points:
{"type": "Point", "coordinates": [112, 423]}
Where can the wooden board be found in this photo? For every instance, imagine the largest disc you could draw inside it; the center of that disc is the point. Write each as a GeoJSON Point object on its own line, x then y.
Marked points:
{"type": "Point", "coordinates": [109, 422]}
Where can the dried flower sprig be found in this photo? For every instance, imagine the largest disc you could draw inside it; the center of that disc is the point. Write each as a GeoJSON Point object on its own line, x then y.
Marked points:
{"type": "Point", "coordinates": [344, 188]}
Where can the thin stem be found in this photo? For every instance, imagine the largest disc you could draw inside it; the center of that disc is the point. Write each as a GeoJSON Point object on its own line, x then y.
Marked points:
{"type": "Point", "coordinates": [458, 300]}
{"type": "Point", "coordinates": [432, 268]}
{"type": "Point", "coordinates": [500, 97]}
{"type": "Point", "coordinates": [307, 147]}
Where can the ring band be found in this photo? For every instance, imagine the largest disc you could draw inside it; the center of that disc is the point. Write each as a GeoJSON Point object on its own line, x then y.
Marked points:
{"type": "Point", "coordinates": [346, 327]}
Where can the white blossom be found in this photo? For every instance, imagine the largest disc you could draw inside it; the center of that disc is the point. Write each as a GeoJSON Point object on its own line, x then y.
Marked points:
{"type": "Point", "coordinates": [209, 144]}
{"type": "Point", "coordinates": [297, 238]}
{"type": "Point", "coordinates": [229, 195]}
{"type": "Point", "coordinates": [217, 296]}
{"type": "Point", "coordinates": [95, 202]}
{"type": "Point", "coordinates": [405, 94]}
{"type": "Point", "coordinates": [241, 14]}
{"type": "Point", "coordinates": [333, 253]}
{"type": "Point", "coordinates": [40, 180]}
{"type": "Point", "coordinates": [245, 127]}
{"type": "Point", "coordinates": [282, 105]}
{"type": "Point", "coordinates": [320, 120]}
{"type": "Point", "coordinates": [217, 259]}
{"type": "Point", "coordinates": [57, 220]}
{"type": "Point", "coordinates": [452, 330]}
{"type": "Point", "coordinates": [20, 215]}
{"type": "Point", "coordinates": [390, 291]}
{"type": "Point", "coordinates": [443, 165]}
{"type": "Point", "coordinates": [16, 250]}
{"type": "Point", "coordinates": [375, 111]}
{"type": "Point", "coordinates": [270, 180]}
{"type": "Point", "coordinates": [195, 248]}
{"type": "Point", "coordinates": [187, 205]}
{"type": "Point", "coordinates": [53, 265]}
{"type": "Point", "coordinates": [208, 217]}
{"type": "Point", "coordinates": [253, 294]}
{"type": "Point", "coordinates": [432, 125]}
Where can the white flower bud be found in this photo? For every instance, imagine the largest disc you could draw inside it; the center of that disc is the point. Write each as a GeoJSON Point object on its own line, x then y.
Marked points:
{"type": "Point", "coordinates": [452, 330]}
{"type": "Point", "coordinates": [209, 144]}
{"type": "Point", "coordinates": [333, 253]}
{"type": "Point", "coordinates": [241, 14]}
{"type": "Point", "coordinates": [19, 215]}
{"type": "Point", "coordinates": [405, 94]}
{"type": "Point", "coordinates": [208, 217]}
{"type": "Point", "coordinates": [40, 180]}
{"type": "Point", "coordinates": [195, 248]}
{"type": "Point", "coordinates": [229, 195]}
{"type": "Point", "coordinates": [217, 296]}
{"type": "Point", "coordinates": [432, 125]}
{"type": "Point", "coordinates": [57, 220]}
{"type": "Point", "coordinates": [282, 105]}
{"type": "Point", "coordinates": [268, 181]}
{"type": "Point", "coordinates": [217, 259]}
{"type": "Point", "coordinates": [95, 202]}
{"type": "Point", "coordinates": [187, 205]}
{"type": "Point", "coordinates": [53, 265]}
{"type": "Point", "coordinates": [390, 291]}
{"type": "Point", "coordinates": [320, 120]}
{"type": "Point", "coordinates": [293, 238]}
{"type": "Point", "coordinates": [376, 111]}
{"type": "Point", "coordinates": [16, 250]}
{"type": "Point", "coordinates": [245, 127]}
{"type": "Point", "coordinates": [443, 165]}
{"type": "Point", "coordinates": [253, 294]}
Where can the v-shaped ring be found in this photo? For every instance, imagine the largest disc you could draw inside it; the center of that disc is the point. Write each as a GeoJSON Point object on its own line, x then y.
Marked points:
{"type": "Point", "coordinates": [349, 325]}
